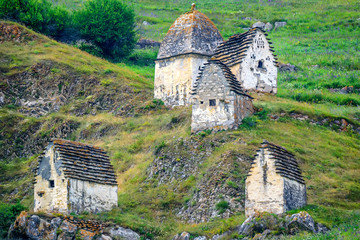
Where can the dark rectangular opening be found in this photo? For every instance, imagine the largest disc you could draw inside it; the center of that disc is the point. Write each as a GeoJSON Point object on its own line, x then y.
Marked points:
{"type": "Point", "coordinates": [212, 102]}
{"type": "Point", "coordinates": [51, 183]}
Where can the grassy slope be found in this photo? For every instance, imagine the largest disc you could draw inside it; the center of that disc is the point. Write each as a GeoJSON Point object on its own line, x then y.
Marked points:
{"type": "Point", "coordinates": [329, 159]}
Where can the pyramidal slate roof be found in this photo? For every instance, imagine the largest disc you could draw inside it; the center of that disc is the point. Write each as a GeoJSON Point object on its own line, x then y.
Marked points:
{"type": "Point", "coordinates": [230, 77]}
{"type": "Point", "coordinates": [192, 32]}
{"type": "Point", "coordinates": [285, 162]}
{"type": "Point", "coordinates": [233, 51]}
{"type": "Point", "coordinates": [84, 162]}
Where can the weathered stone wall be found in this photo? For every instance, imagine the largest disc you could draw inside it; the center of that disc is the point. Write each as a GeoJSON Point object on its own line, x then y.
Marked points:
{"type": "Point", "coordinates": [46, 198]}
{"type": "Point", "coordinates": [294, 194]}
{"type": "Point", "coordinates": [250, 75]}
{"type": "Point", "coordinates": [91, 197]}
{"type": "Point", "coordinates": [175, 76]}
{"type": "Point", "coordinates": [264, 187]}
{"type": "Point", "coordinates": [230, 108]}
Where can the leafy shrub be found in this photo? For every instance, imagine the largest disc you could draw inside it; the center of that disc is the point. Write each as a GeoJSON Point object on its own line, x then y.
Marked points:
{"type": "Point", "coordinates": [8, 214]}
{"type": "Point", "coordinates": [109, 24]}
{"type": "Point", "coordinates": [40, 15]}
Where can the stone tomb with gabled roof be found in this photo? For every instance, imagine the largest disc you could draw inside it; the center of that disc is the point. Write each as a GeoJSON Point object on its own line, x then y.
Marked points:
{"type": "Point", "coordinates": [74, 177]}
{"type": "Point", "coordinates": [274, 183]}
{"type": "Point", "coordinates": [250, 57]}
{"type": "Point", "coordinates": [189, 43]}
{"type": "Point", "coordinates": [219, 101]}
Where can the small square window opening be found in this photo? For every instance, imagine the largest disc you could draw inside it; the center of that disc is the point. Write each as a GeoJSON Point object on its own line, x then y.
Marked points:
{"type": "Point", "coordinates": [260, 64]}
{"type": "Point", "coordinates": [52, 183]}
{"type": "Point", "coordinates": [212, 102]}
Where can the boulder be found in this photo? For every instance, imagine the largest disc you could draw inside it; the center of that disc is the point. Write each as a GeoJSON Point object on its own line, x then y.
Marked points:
{"type": "Point", "coordinates": [300, 221]}
{"type": "Point", "coordinates": [38, 228]}
{"type": "Point", "coordinates": [123, 233]}
{"type": "Point", "coordinates": [182, 236]}
{"type": "Point", "coordinates": [104, 237]}
{"type": "Point", "coordinates": [67, 230]}
{"type": "Point", "coordinates": [145, 23]}
{"type": "Point", "coordinates": [268, 27]}
{"type": "Point", "coordinates": [200, 238]}
{"type": "Point", "coordinates": [260, 25]}
{"type": "Point", "coordinates": [347, 90]}
{"type": "Point", "coordinates": [18, 228]}
{"type": "Point", "coordinates": [86, 235]}
{"type": "Point", "coordinates": [2, 98]}
{"type": "Point", "coordinates": [262, 236]}
{"type": "Point", "coordinates": [286, 67]}
{"type": "Point", "coordinates": [279, 25]}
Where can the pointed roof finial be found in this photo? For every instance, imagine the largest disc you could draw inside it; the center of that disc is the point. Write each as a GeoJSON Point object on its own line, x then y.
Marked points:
{"type": "Point", "coordinates": [193, 7]}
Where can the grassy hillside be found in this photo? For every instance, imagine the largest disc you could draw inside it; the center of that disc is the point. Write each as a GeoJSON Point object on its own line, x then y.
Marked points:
{"type": "Point", "coordinates": [305, 117]}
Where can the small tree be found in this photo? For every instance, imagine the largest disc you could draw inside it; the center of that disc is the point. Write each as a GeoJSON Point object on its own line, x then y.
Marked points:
{"type": "Point", "coordinates": [109, 24]}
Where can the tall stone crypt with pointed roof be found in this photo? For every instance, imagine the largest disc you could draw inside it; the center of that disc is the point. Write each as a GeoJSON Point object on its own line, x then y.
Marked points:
{"type": "Point", "coordinates": [219, 101]}
{"type": "Point", "coordinates": [274, 183]}
{"type": "Point", "coordinates": [74, 177]}
{"type": "Point", "coordinates": [189, 43]}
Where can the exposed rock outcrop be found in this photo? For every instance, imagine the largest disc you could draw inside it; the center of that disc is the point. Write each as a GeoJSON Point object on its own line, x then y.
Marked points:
{"type": "Point", "coordinates": [15, 33]}
{"type": "Point", "coordinates": [286, 67]}
{"type": "Point", "coordinates": [279, 25]}
{"type": "Point", "coordinates": [266, 226]}
{"type": "Point", "coordinates": [219, 193]}
{"type": "Point", "coordinates": [147, 43]}
{"type": "Point", "coordinates": [65, 228]}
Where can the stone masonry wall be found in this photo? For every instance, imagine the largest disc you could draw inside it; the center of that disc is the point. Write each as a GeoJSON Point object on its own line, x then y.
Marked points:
{"type": "Point", "coordinates": [91, 197]}
{"type": "Point", "coordinates": [294, 194]}
{"type": "Point", "coordinates": [250, 75]}
{"type": "Point", "coordinates": [175, 76]}
{"type": "Point", "coordinates": [46, 198]}
{"type": "Point", "coordinates": [243, 107]}
{"type": "Point", "coordinates": [264, 187]}
{"type": "Point", "coordinates": [213, 86]}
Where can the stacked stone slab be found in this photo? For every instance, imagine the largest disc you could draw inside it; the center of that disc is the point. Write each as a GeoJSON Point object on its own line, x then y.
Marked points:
{"type": "Point", "coordinates": [250, 57]}
{"type": "Point", "coordinates": [189, 43]}
{"type": "Point", "coordinates": [219, 101]}
{"type": "Point", "coordinates": [274, 183]}
{"type": "Point", "coordinates": [74, 177]}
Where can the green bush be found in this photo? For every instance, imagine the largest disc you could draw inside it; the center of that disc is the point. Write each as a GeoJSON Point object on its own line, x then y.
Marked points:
{"type": "Point", "coordinates": [109, 24]}
{"type": "Point", "coordinates": [40, 15]}
{"type": "Point", "coordinates": [8, 213]}
{"type": "Point", "coordinates": [222, 206]}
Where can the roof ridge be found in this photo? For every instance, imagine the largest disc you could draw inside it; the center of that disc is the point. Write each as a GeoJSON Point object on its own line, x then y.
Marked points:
{"type": "Point", "coordinates": [84, 162]}
{"type": "Point", "coordinates": [229, 76]}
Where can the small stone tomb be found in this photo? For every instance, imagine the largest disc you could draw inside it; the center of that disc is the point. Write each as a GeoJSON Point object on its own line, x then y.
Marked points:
{"type": "Point", "coordinates": [74, 177]}
{"type": "Point", "coordinates": [274, 183]}
{"type": "Point", "coordinates": [218, 99]}
{"type": "Point", "coordinates": [251, 59]}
